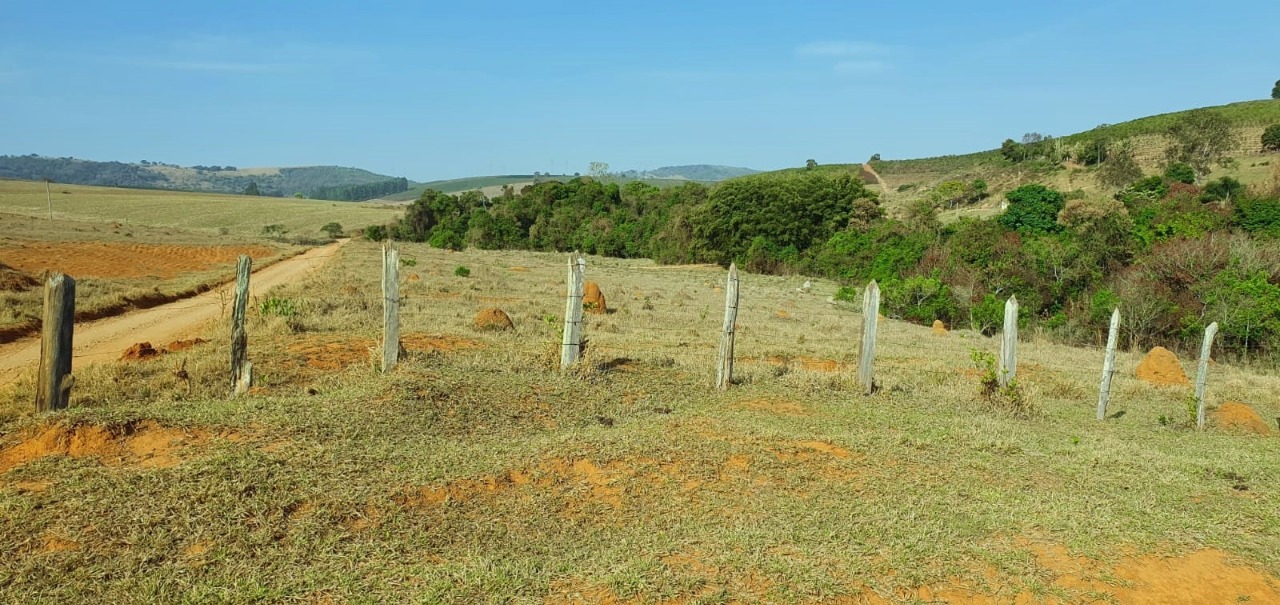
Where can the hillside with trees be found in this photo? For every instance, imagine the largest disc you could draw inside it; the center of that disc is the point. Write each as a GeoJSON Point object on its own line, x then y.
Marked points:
{"type": "Point", "coordinates": [1175, 246]}
{"type": "Point", "coordinates": [318, 182]}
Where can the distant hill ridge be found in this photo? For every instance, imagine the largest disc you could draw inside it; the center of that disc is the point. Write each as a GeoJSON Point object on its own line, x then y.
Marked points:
{"type": "Point", "coordinates": [691, 172]}
{"type": "Point", "coordinates": [322, 182]}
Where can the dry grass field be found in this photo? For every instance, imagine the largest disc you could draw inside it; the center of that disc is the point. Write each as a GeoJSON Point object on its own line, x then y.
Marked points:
{"type": "Point", "coordinates": [479, 472]}
{"type": "Point", "coordinates": [196, 212]}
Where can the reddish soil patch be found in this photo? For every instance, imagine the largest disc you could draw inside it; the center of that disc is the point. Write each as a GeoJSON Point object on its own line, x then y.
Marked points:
{"type": "Point", "coordinates": [12, 280]}
{"type": "Point", "coordinates": [183, 345]}
{"type": "Point", "coordinates": [334, 352]}
{"type": "Point", "coordinates": [520, 269]}
{"type": "Point", "coordinates": [782, 314]}
{"type": "Point", "coordinates": [812, 364]}
{"type": "Point", "coordinates": [139, 351]}
{"type": "Point", "coordinates": [1161, 367]}
{"type": "Point", "coordinates": [145, 444]}
{"type": "Point", "coordinates": [32, 487]}
{"type": "Point", "coordinates": [593, 299]}
{"type": "Point", "coordinates": [1239, 417]}
{"type": "Point", "coordinates": [52, 543]}
{"type": "Point", "coordinates": [493, 319]}
{"type": "Point", "coordinates": [104, 259]}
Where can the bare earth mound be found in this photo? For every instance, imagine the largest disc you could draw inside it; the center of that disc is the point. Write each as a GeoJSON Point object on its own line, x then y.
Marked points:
{"type": "Point", "coordinates": [139, 351]}
{"type": "Point", "coordinates": [493, 319]}
{"type": "Point", "coordinates": [144, 443]}
{"type": "Point", "coordinates": [1241, 418]}
{"type": "Point", "coordinates": [593, 299]}
{"type": "Point", "coordinates": [1161, 367]}
{"type": "Point", "coordinates": [939, 328]}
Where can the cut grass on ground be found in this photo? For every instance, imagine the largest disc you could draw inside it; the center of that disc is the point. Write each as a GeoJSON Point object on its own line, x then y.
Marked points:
{"type": "Point", "coordinates": [478, 472]}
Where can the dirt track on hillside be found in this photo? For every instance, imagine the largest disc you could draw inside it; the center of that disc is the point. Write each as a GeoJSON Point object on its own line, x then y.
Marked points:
{"type": "Point", "coordinates": [106, 339]}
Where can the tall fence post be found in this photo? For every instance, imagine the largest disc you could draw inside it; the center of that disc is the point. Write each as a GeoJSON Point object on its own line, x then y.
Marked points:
{"type": "Point", "coordinates": [867, 344]}
{"type": "Point", "coordinates": [724, 361]}
{"type": "Point", "coordinates": [53, 389]}
{"type": "Point", "coordinates": [1109, 364]}
{"type": "Point", "coordinates": [390, 306]}
{"type": "Point", "coordinates": [1009, 343]}
{"type": "Point", "coordinates": [571, 344]}
{"type": "Point", "coordinates": [241, 367]}
{"type": "Point", "coordinates": [1202, 375]}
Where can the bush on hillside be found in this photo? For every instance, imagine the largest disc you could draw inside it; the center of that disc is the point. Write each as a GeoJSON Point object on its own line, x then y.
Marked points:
{"type": "Point", "coordinates": [1271, 138]}
{"type": "Point", "coordinates": [1032, 209]}
{"type": "Point", "coordinates": [1180, 172]}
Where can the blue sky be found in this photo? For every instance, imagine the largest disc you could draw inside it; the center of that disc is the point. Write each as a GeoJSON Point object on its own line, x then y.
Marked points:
{"type": "Point", "coordinates": [429, 91]}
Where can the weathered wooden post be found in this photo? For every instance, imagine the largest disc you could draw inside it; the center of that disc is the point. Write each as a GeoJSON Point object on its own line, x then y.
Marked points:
{"type": "Point", "coordinates": [867, 344]}
{"type": "Point", "coordinates": [241, 367]}
{"type": "Point", "coordinates": [1109, 364]}
{"type": "Point", "coordinates": [1202, 375]}
{"type": "Point", "coordinates": [1009, 344]}
{"type": "Point", "coordinates": [53, 388]}
{"type": "Point", "coordinates": [724, 361]}
{"type": "Point", "coordinates": [390, 306]}
{"type": "Point", "coordinates": [571, 344]}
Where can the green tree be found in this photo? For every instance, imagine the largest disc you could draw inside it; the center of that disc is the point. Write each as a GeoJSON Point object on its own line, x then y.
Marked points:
{"type": "Point", "coordinates": [1120, 167]}
{"type": "Point", "coordinates": [1275, 90]}
{"type": "Point", "coordinates": [810, 164]}
{"type": "Point", "coordinates": [598, 170]}
{"type": "Point", "coordinates": [1032, 209]}
{"type": "Point", "coordinates": [1271, 138]}
{"type": "Point", "coordinates": [334, 230]}
{"type": "Point", "coordinates": [1180, 172]}
{"type": "Point", "coordinates": [252, 189]}
{"type": "Point", "coordinates": [1224, 188]}
{"type": "Point", "coordinates": [1201, 138]}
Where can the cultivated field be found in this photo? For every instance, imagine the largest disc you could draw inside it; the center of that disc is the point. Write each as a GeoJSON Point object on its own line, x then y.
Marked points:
{"type": "Point", "coordinates": [200, 212]}
{"type": "Point", "coordinates": [478, 472]}
{"type": "Point", "coordinates": [131, 248]}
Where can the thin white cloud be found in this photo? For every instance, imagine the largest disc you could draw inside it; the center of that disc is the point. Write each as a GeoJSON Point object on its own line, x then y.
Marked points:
{"type": "Point", "coordinates": [861, 67]}
{"type": "Point", "coordinates": [243, 55]}
{"type": "Point", "coordinates": [850, 57]}
{"type": "Point", "coordinates": [838, 48]}
{"type": "Point", "coordinates": [220, 66]}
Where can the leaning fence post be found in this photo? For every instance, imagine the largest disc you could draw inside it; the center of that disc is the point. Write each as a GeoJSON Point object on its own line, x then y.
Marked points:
{"type": "Point", "coordinates": [571, 344]}
{"type": "Point", "coordinates": [1203, 374]}
{"type": "Point", "coordinates": [54, 386]}
{"type": "Point", "coordinates": [241, 367]}
{"type": "Point", "coordinates": [1009, 343]}
{"type": "Point", "coordinates": [1109, 364]}
{"type": "Point", "coordinates": [867, 344]}
{"type": "Point", "coordinates": [724, 361]}
{"type": "Point", "coordinates": [390, 307]}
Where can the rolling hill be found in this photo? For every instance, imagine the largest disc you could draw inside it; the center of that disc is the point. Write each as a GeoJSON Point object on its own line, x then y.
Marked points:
{"type": "Point", "coordinates": [322, 182]}
{"type": "Point", "coordinates": [904, 181]}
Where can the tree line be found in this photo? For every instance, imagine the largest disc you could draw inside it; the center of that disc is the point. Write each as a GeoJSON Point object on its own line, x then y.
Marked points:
{"type": "Point", "coordinates": [361, 192]}
{"type": "Point", "coordinates": [1173, 255]}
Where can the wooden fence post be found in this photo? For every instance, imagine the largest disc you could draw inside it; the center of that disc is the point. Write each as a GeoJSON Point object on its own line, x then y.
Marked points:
{"type": "Point", "coordinates": [55, 380]}
{"type": "Point", "coordinates": [867, 344]}
{"type": "Point", "coordinates": [724, 362]}
{"type": "Point", "coordinates": [390, 306]}
{"type": "Point", "coordinates": [1202, 374]}
{"type": "Point", "coordinates": [241, 367]}
{"type": "Point", "coordinates": [1009, 343]}
{"type": "Point", "coordinates": [1109, 364]}
{"type": "Point", "coordinates": [571, 344]}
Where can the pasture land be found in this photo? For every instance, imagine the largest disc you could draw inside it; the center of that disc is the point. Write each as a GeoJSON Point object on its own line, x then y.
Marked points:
{"type": "Point", "coordinates": [479, 472]}
{"type": "Point", "coordinates": [200, 212]}
{"type": "Point", "coordinates": [117, 267]}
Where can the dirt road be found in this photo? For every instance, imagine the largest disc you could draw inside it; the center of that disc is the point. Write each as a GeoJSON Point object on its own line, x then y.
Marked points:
{"type": "Point", "coordinates": [106, 339]}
